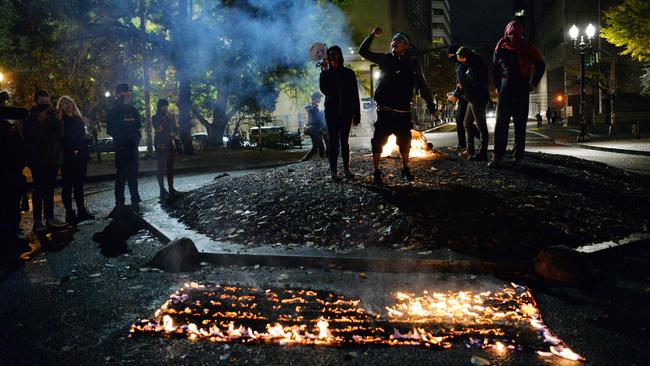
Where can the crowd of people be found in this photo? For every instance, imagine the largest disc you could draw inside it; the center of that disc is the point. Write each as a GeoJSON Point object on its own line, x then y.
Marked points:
{"type": "Point", "coordinates": [517, 68]}
{"type": "Point", "coordinates": [54, 138]}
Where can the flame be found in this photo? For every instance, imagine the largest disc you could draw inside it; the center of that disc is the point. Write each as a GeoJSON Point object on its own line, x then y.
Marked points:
{"type": "Point", "coordinates": [491, 320]}
{"type": "Point", "coordinates": [419, 148]}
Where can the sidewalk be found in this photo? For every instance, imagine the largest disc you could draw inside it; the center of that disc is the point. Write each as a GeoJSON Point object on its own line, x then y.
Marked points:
{"type": "Point", "coordinates": [221, 160]}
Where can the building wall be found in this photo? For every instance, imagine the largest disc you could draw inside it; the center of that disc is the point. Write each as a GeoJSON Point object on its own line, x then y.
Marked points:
{"type": "Point", "coordinates": [440, 23]}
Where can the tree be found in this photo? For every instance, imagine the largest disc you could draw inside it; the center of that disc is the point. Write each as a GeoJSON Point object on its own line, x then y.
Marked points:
{"type": "Point", "coordinates": [628, 26]}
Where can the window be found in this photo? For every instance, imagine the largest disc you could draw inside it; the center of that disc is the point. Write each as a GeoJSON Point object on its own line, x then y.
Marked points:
{"type": "Point", "coordinates": [438, 40]}
{"type": "Point", "coordinates": [438, 11]}
{"type": "Point", "coordinates": [438, 25]}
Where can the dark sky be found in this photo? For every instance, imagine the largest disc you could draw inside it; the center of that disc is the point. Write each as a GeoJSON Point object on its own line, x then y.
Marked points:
{"type": "Point", "coordinates": [479, 23]}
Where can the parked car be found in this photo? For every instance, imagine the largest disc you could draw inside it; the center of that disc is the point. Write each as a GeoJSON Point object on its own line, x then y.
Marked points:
{"type": "Point", "coordinates": [104, 144]}
{"type": "Point", "coordinates": [275, 137]}
{"type": "Point", "coordinates": [199, 141]}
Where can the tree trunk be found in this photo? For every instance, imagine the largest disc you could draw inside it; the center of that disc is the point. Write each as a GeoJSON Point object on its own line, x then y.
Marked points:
{"type": "Point", "coordinates": [145, 81]}
{"type": "Point", "coordinates": [185, 86]}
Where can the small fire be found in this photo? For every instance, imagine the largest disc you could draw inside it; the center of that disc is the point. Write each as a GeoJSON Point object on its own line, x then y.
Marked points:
{"type": "Point", "coordinates": [419, 147]}
{"type": "Point", "coordinates": [498, 321]}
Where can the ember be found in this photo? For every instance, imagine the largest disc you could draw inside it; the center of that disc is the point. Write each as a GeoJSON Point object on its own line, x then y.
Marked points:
{"type": "Point", "coordinates": [500, 322]}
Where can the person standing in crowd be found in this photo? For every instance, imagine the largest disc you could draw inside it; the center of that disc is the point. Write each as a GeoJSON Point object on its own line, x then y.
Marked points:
{"type": "Point", "coordinates": [548, 116]}
{"type": "Point", "coordinates": [123, 124]}
{"type": "Point", "coordinates": [75, 160]}
{"type": "Point", "coordinates": [401, 74]}
{"type": "Point", "coordinates": [474, 83]}
{"type": "Point", "coordinates": [553, 117]}
{"type": "Point", "coordinates": [315, 128]}
{"type": "Point", "coordinates": [458, 97]}
{"type": "Point", "coordinates": [43, 132]}
{"type": "Point", "coordinates": [513, 61]}
{"type": "Point", "coordinates": [12, 162]}
{"type": "Point", "coordinates": [538, 118]}
{"type": "Point", "coordinates": [342, 108]}
{"type": "Point", "coordinates": [166, 129]}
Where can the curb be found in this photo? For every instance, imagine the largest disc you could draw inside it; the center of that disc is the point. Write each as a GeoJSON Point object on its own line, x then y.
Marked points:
{"type": "Point", "coordinates": [349, 262]}
{"type": "Point", "coordinates": [605, 149]}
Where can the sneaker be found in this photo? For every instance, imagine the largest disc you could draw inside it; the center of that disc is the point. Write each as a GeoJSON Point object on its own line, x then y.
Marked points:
{"type": "Point", "coordinates": [55, 224]}
{"type": "Point", "coordinates": [173, 192]}
{"type": "Point", "coordinates": [335, 177]}
{"type": "Point", "coordinates": [38, 227]}
{"type": "Point", "coordinates": [71, 217]}
{"type": "Point", "coordinates": [456, 148]}
{"type": "Point", "coordinates": [406, 174]}
{"type": "Point", "coordinates": [479, 157]}
{"type": "Point", "coordinates": [135, 207]}
{"type": "Point", "coordinates": [348, 174]}
{"type": "Point", "coordinates": [85, 215]}
{"type": "Point", "coordinates": [494, 164]}
{"type": "Point", "coordinates": [376, 178]}
{"type": "Point", "coordinates": [163, 194]}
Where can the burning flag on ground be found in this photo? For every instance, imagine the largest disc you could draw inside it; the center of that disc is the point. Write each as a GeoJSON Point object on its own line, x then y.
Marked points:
{"type": "Point", "coordinates": [420, 148]}
{"type": "Point", "coordinates": [502, 321]}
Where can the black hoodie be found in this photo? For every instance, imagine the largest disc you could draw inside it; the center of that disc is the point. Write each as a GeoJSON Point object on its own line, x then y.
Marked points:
{"type": "Point", "coordinates": [341, 92]}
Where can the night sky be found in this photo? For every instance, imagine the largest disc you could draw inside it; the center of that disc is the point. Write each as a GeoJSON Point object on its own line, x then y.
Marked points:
{"type": "Point", "coordinates": [479, 23]}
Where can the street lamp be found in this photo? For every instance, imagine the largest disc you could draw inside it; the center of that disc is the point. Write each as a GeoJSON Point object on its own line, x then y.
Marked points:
{"type": "Point", "coordinates": [2, 77]}
{"type": "Point", "coordinates": [581, 45]}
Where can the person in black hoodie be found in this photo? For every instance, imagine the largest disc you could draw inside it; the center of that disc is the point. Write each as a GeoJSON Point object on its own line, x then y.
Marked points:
{"type": "Point", "coordinates": [123, 124]}
{"type": "Point", "coordinates": [475, 86]}
{"type": "Point", "coordinates": [12, 162]}
{"type": "Point", "coordinates": [75, 160]}
{"type": "Point", "coordinates": [342, 108]}
{"type": "Point", "coordinates": [401, 75]}
{"type": "Point", "coordinates": [166, 129]}
{"type": "Point", "coordinates": [513, 61]}
{"type": "Point", "coordinates": [43, 132]}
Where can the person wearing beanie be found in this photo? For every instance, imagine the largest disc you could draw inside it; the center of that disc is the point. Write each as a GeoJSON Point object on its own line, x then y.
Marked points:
{"type": "Point", "coordinates": [458, 97]}
{"type": "Point", "coordinates": [401, 75]}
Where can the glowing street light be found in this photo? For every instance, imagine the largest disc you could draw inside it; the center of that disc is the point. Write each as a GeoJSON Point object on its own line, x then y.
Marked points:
{"type": "Point", "coordinates": [581, 45]}
{"type": "Point", "coordinates": [376, 74]}
{"type": "Point", "coordinates": [107, 94]}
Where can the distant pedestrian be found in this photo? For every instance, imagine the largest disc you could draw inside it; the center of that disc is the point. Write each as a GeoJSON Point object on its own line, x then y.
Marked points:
{"type": "Point", "coordinates": [475, 85]}
{"type": "Point", "coordinates": [513, 61]}
{"type": "Point", "coordinates": [123, 124]}
{"type": "Point", "coordinates": [166, 129]}
{"type": "Point", "coordinates": [316, 127]}
{"type": "Point", "coordinates": [342, 108]}
{"type": "Point", "coordinates": [43, 132]}
{"type": "Point", "coordinates": [538, 118]}
{"type": "Point", "coordinates": [75, 160]}
{"type": "Point", "coordinates": [553, 118]}
{"type": "Point", "coordinates": [548, 116]}
{"type": "Point", "coordinates": [400, 76]}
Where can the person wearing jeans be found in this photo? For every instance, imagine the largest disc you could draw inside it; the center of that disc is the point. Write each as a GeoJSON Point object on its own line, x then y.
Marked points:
{"type": "Point", "coordinates": [475, 84]}
{"type": "Point", "coordinates": [164, 124]}
{"type": "Point", "coordinates": [124, 125]}
{"type": "Point", "coordinates": [513, 61]}
{"type": "Point", "coordinates": [43, 132]}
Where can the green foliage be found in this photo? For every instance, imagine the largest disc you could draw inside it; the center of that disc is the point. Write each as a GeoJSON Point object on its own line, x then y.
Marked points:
{"type": "Point", "coordinates": [628, 26]}
{"type": "Point", "coordinates": [645, 81]}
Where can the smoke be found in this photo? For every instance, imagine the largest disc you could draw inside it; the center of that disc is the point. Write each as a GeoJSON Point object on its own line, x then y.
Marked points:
{"type": "Point", "coordinates": [250, 47]}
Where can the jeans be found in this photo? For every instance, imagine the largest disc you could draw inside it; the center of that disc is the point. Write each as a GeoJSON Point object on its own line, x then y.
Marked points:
{"type": "Point", "coordinates": [339, 136]}
{"type": "Point", "coordinates": [476, 113]}
{"type": "Point", "coordinates": [43, 196]}
{"type": "Point", "coordinates": [127, 163]}
{"type": "Point", "coordinates": [517, 109]}
{"type": "Point", "coordinates": [317, 145]}
{"type": "Point", "coordinates": [73, 174]}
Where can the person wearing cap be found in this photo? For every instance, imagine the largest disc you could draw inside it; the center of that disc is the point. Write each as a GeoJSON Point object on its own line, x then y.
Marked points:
{"type": "Point", "coordinates": [400, 75]}
{"type": "Point", "coordinates": [513, 61]}
{"type": "Point", "coordinates": [123, 124]}
{"type": "Point", "coordinates": [474, 83]}
{"type": "Point", "coordinates": [458, 97]}
{"type": "Point", "coordinates": [315, 127]}
{"type": "Point", "coordinates": [342, 108]}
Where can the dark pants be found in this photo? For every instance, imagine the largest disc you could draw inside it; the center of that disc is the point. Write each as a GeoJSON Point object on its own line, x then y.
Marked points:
{"type": "Point", "coordinates": [165, 159]}
{"type": "Point", "coordinates": [460, 124]}
{"type": "Point", "coordinates": [44, 179]}
{"type": "Point", "coordinates": [9, 211]}
{"type": "Point", "coordinates": [476, 113]}
{"type": "Point", "coordinates": [73, 174]}
{"type": "Point", "coordinates": [339, 141]}
{"type": "Point", "coordinates": [518, 111]}
{"type": "Point", "coordinates": [317, 145]}
{"type": "Point", "coordinates": [127, 163]}
{"type": "Point", "coordinates": [392, 123]}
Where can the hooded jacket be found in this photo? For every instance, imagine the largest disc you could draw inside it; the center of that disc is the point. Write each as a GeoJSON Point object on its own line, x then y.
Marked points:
{"type": "Point", "coordinates": [401, 75]}
{"type": "Point", "coordinates": [475, 79]}
{"type": "Point", "coordinates": [43, 140]}
{"type": "Point", "coordinates": [341, 92]}
{"type": "Point", "coordinates": [514, 57]}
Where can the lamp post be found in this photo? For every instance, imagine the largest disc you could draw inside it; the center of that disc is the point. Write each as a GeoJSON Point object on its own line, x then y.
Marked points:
{"type": "Point", "coordinates": [581, 45]}
{"type": "Point", "coordinates": [2, 77]}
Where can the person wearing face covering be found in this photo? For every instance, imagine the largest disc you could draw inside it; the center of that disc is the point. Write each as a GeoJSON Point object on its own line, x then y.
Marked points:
{"type": "Point", "coordinates": [458, 96]}
{"type": "Point", "coordinates": [401, 75]}
{"type": "Point", "coordinates": [514, 59]}
{"type": "Point", "coordinates": [342, 109]}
